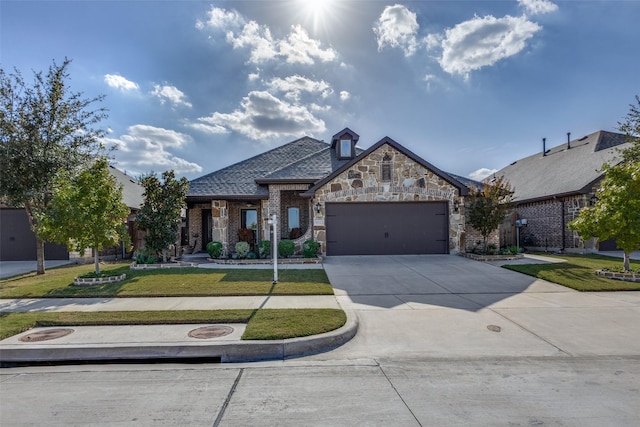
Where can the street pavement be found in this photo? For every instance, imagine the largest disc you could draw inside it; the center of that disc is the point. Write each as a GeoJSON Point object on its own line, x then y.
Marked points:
{"type": "Point", "coordinates": [442, 340]}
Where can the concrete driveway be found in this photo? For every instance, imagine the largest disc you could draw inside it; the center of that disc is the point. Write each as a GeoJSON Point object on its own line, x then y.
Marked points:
{"type": "Point", "coordinates": [445, 306]}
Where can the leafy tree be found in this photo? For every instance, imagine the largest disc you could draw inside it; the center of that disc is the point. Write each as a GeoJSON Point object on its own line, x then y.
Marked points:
{"type": "Point", "coordinates": [616, 213]}
{"type": "Point", "coordinates": [87, 211]}
{"type": "Point", "coordinates": [160, 213]}
{"type": "Point", "coordinates": [488, 207]}
{"type": "Point", "coordinates": [44, 128]}
{"type": "Point", "coordinates": [631, 128]}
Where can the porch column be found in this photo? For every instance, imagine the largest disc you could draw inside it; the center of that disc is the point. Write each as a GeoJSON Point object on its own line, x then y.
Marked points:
{"type": "Point", "coordinates": [220, 224]}
{"type": "Point", "coordinates": [274, 200]}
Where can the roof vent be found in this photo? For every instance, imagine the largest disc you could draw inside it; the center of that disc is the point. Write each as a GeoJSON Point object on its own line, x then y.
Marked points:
{"type": "Point", "coordinates": [568, 140]}
{"type": "Point", "coordinates": [544, 147]}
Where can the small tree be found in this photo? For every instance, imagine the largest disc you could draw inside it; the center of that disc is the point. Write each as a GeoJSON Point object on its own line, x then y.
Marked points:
{"type": "Point", "coordinates": [87, 211]}
{"type": "Point", "coordinates": [488, 207]}
{"type": "Point", "coordinates": [616, 213]}
{"type": "Point", "coordinates": [160, 213]}
{"type": "Point", "coordinates": [44, 128]}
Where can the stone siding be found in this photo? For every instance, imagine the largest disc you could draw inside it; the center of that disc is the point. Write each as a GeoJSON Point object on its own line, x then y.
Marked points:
{"type": "Point", "coordinates": [404, 180]}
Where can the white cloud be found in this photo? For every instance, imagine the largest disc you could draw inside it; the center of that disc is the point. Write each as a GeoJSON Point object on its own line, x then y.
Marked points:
{"type": "Point", "coordinates": [210, 129]}
{"type": "Point", "coordinates": [221, 18]}
{"type": "Point", "coordinates": [258, 39]}
{"type": "Point", "coordinates": [145, 148]}
{"type": "Point", "coordinates": [344, 95]}
{"type": "Point", "coordinates": [482, 173]}
{"type": "Point", "coordinates": [397, 26]}
{"type": "Point", "coordinates": [296, 48]}
{"type": "Point", "coordinates": [480, 42]}
{"type": "Point", "coordinates": [171, 94]}
{"type": "Point", "coordinates": [538, 7]}
{"type": "Point", "coordinates": [299, 48]}
{"type": "Point", "coordinates": [262, 116]}
{"type": "Point", "coordinates": [293, 86]}
{"type": "Point", "coordinates": [118, 82]}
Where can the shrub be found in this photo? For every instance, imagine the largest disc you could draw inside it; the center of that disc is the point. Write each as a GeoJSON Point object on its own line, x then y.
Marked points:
{"type": "Point", "coordinates": [310, 248]}
{"type": "Point", "coordinates": [214, 249]}
{"type": "Point", "coordinates": [492, 248]}
{"type": "Point", "coordinates": [264, 248]}
{"type": "Point", "coordinates": [252, 255]}
{"type": "Point", "coordinates": [242, 249]}
{"type": "Point", "coordinates": [286, 248]}
{"type": "Point", "coordinates": [513, 250]}
{"type": "Point", "coordinates": [146, 256]}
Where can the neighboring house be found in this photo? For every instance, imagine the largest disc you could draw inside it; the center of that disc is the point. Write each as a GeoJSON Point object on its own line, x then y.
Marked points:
{"type": "Point", "coordinates": [383, 200]}
{"type": "Point", "coordinates": [551, 187]}
{"type": "Point", "coordinates": [18, 241]}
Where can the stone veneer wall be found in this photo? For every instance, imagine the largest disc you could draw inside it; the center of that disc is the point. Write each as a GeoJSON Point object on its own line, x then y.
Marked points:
{"type": "Point", "coordinates": [220, 224]}
{"type": "Point", "coordinates": [473, 238]}
{"type": "Point", "coordinates": [409, 181]}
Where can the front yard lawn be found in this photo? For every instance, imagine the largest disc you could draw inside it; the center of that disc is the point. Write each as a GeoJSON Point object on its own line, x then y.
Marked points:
{"type": "Point", "coordinates": [264, 324]}
{"type": "Point", "coordinates": [180, 282]}
{"type": "Point", "coordinates": [579, 272]}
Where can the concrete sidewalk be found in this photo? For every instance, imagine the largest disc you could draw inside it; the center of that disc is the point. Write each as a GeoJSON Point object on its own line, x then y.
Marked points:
{"type": "Point", "coordinates": [96, 343]}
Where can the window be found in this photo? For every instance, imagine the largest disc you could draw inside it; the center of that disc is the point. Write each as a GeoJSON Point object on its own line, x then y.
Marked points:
{"type": "Point", "coordinates": [386, 173]}
{"type": "Point", "coordinates": [293, 218]}
{"type": "Point", "coordinates": [345, 148]}
{"type": "Point", "coordinates": [249, 219]}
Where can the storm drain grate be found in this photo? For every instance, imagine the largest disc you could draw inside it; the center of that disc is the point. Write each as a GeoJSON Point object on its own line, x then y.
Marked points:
{"type": "Point", "coordinates": [49, 334]}
{"type": "Point", "coordinates": [208, 332]}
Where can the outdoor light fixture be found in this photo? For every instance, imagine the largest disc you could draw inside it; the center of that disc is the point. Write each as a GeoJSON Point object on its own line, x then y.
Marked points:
{"type": "Point", "coordinates": [318, 206]}
{"type": "Point", "coordinates": [456, 206]}
{"type": "Point", "coordinates": [593, 200]}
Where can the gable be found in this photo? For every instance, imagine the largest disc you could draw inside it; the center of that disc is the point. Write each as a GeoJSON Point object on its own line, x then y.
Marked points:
{"type": "Point", "coordinates": [389, 164]}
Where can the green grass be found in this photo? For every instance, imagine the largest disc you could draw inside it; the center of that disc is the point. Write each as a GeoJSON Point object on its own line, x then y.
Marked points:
{"type": "Point", "coordinates": [578, 272]}
{"type": "Point", "coordinates": [270, 324]}
{"type": "Point", "coordinates": [58, 283]}
{"type": "Point", "coordinates": [267, 324]}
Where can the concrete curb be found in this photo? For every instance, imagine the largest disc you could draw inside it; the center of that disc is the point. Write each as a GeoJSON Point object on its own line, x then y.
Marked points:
{"type": "Point", "coordinates": [223, 351]}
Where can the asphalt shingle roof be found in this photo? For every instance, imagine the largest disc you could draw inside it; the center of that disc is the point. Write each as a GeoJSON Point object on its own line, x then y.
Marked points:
{"type": "Point", "coordinates": [563, 170]}
{"type": "Point", "coordinates": [280, 163]}
{"type": "Point", "coordinates": [131, 191]}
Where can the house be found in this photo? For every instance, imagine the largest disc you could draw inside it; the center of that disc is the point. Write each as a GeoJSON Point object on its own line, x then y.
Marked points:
{"type": "Point", "coordinates": [18, 241]}
{"type": "Point", "coordinates": [552, 187]}
{"type": "Point", "coordinates": [382, 200]}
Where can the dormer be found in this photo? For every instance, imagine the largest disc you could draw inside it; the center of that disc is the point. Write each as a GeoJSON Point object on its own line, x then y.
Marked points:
{"type": "Point", "coordinates": [344, 143]}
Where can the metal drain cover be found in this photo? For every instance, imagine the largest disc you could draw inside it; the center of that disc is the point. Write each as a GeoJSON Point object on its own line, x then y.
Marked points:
{"type": "Point", "coordinates": [207, 332]}
{"type": "Point", "coordinates": [49, 334]}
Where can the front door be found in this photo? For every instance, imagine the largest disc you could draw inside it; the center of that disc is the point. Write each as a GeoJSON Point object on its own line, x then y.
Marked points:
{"type": "Point", "coordinates": [207, 228]}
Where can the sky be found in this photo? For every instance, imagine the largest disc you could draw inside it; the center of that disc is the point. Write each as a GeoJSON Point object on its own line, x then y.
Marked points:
{"type": "Point", "coordinates": [469, 86]}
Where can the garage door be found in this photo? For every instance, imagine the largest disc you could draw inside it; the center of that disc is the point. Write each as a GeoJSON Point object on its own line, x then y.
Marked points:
{"type": "Point", "coordinates": [387, 228]}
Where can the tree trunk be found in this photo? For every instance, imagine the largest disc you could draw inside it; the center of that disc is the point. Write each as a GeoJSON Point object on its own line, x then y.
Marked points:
{"type": "Point", "coordinates": [39, 243]}
{"type": "Point", "coordinates": [625, 263]}
{"type": "Point", "coordinates": [96, 259]}
{"type": "Point", "coordinates": [39, 256]}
